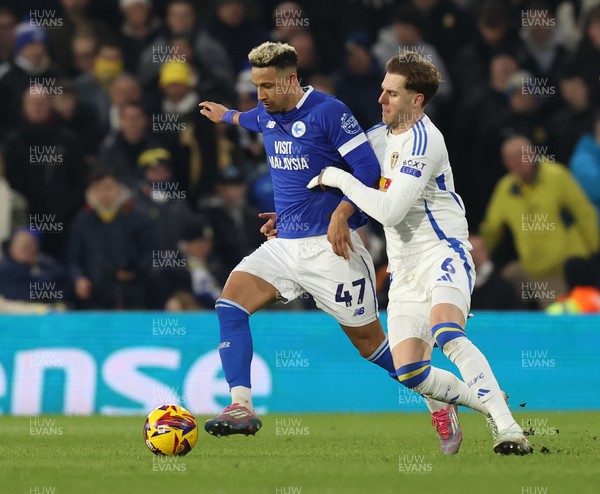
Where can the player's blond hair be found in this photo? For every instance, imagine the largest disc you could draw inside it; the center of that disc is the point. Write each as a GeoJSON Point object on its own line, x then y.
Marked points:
{"type": "Point", "coordinates": [269, 54]}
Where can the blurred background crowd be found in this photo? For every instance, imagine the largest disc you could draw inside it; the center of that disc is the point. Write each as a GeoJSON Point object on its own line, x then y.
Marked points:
{"type": "Point", "coordinates": [115, 193]}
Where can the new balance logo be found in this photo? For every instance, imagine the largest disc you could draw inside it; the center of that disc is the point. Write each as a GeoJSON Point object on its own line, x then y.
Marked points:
{"type": "Point", "coordinates": [359, 312]}
{"type": "Point", "coordinates": [482, 392]}
{"type": "Point", "coordinates": [446, 277]}
{"type": "Point", "coordinates": [270, 124]}
{"type": "Point", "coordinates": [224, 344]}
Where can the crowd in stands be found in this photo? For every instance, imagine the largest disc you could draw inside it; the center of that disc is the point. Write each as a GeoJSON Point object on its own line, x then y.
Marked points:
{"type": "Point", "coordinates": [115, 193]}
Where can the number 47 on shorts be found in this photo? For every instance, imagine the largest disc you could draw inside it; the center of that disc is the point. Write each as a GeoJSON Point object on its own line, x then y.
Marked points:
{"type": "Point", "coordinates": [342, 295]}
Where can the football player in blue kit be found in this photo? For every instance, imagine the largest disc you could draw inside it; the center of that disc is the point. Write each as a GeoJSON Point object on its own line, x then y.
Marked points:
{"type": "Point", "coordinates": [317, 249]}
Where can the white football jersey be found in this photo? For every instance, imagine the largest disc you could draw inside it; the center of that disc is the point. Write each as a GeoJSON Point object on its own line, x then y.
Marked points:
{"type": "Point", "coordinates": [415, 168]}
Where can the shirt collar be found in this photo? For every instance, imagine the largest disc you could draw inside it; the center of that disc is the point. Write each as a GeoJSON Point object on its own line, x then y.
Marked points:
{"type": "Point", "coordinates": [307, 90]}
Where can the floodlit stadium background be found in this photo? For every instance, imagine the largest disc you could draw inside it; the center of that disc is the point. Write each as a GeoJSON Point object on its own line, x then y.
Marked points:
{"type": "Point", "coordinates": [115, 84]}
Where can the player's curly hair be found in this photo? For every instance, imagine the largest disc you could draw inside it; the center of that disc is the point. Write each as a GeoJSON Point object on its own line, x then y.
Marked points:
{"type": "Point", "coordinates": [421, 75]}
{"type": "Point", "coordinates": [269, 54]}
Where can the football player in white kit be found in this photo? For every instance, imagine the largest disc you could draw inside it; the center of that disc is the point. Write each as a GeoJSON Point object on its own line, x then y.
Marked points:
{"type": "Point", "coordinates": [431, 269]}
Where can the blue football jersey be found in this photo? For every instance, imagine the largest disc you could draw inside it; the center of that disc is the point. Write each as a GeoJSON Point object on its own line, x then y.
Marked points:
{"type": "Point", "coordinates": [319, 131]}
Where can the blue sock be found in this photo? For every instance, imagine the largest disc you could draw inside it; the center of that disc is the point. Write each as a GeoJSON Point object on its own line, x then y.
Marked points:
{"type": "Point", "coordinates": [445, 332]}
{"type": "Point", "coordinates": [383, 358]}
{"type": "Point", "coordinates": [413, 374]}
{"type": "Point", "coordinates": [235, 347]}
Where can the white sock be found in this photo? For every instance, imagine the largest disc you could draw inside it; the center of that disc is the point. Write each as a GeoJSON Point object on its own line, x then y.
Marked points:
{"type": "Point", "coordinates": [434, 405]}
{"type": "Point", "coordinates": [243, 396]}
{"type": "Point", "coordinates": [444, 386]}
{"type": "Point", "coordinates": [477, 373]}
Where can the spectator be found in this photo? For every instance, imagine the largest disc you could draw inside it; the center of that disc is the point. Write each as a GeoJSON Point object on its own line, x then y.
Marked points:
{"type": "Point", "coordinates": [235, 223]}
{"type": "Point", "coordinates": [494, 35]}
{"type": "Point", "coordinates": [361, 75]}
{"type": "Point", "coordinates": [120, 149]}
{"type": "Point", "coordinates": [260, 186]}
{"type": "Point", "coordinates": [329, 23]}
{"type": "Point", "coordinates": [236, 34]}
{"type": "Point", "coordinates": [138, 29]}
{"type": "Point", "coordinates": [250, 142]}
{"type": "Point", "coordinates": [543, 41]}
{"type": "Point", "coordinates": [164, 201]}
{"type": "Point", "coordinates": [203, 267]}
{"type": "Point", "coordinates": [93, 88]}
{"type": "Point", "coordinates": [31, 65]}
{"type": "Point", "coordinates": [79, 117]}
{"type": "Point", "coordinates": [445, 26]}
{"type": "Point", "coordinates": [573, 118]}
{"type": "Point", "coordinates": [44, 162]}
{"type": "Point", "coordinates": [587, 57]}
{"type": "Point", "coordinates": [309, 62]}
{"type": "Point", "coordinates": [161, 198]}
{"type": "Point", "coordinates": [503, 108]}
{"type": "Point", "coordinates": [288, 18]}
{"type": "Point", "coordinates": [74, 17]}
{"type": "Point", "coordinates": [125, 89]}
{"type": "Point", "coordinates": [13, 209]}
{"type": "Point", "coordinates": [182, 128]}
{"type": "Point", "coordinates": [585, 165]}
{"type": "Point", "coordinates": [526, 111]}
{"type": "Point", "coordinates": [359, 16]}
{"type": "Point", "coordinates": [8, 24]}
{"type": "Point", "coordinates": [491, 291]}
{"type": "Point", "coordinates": [213, 63]}
{"type": "Point", "coordinates": [28, 275]}
{"type": "Point", "coordinates": [110, 249]}
{"type": "Point", "coordinates": [323, 83]}
{"type": "Point", "coordinates": [476, 132]}
{"type": "Point", "coordinates": [84, 47]}
{"type": "Point", "coordinates": [405, 35]}
{"type": "Point", "coordinates": [547, 213]}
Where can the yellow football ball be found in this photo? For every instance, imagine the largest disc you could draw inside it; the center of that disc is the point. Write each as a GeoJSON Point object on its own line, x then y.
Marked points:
{"type": "Point", "coordinates": [170, 430]}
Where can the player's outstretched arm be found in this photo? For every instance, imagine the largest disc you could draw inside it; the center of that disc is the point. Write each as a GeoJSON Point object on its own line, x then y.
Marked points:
{"type": "Point", "coordinates": [216, 113]}
{"type": "Point", "coordinates": [389, 208]}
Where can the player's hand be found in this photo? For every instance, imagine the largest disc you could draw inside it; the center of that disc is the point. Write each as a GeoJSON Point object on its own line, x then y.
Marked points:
{"type": "Point", "coordinates": [213, 111]}
{"type": "Point", "coordinates": [327, 178]}
{"type": "Point", "coordinates": [83, 288]}
{"type": "Point", "coordinates": [268, 229]}
{"type": "Point", "coordinates": [338, 233]}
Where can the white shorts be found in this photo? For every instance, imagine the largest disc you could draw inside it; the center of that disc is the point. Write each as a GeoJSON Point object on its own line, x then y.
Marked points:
{"type": "Point", "coordinates": [344, 289]}
{"type": "Point", "coordinates": [444, 275]}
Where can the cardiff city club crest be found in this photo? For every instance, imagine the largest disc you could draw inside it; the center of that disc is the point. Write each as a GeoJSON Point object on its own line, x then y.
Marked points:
{"type": "Point", "coordinates": [394, 159]}
{"type": "Point", "coordinates": [298, 129]}
{"type": "Point", "coordinates": [350, 124]}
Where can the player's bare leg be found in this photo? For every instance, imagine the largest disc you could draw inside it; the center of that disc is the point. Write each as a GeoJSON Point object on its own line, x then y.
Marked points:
{"type": "Point", "coordinates": [366, 339]}
{"type": "Point", "coordinates": [242, 295]}
{"type": "Point", "coordinates": [447, 322]}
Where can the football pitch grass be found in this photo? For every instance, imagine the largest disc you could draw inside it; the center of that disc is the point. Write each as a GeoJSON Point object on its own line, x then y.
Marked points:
{"type": "Point", "coordinates": [300, 454]}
